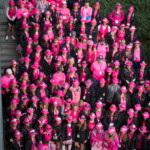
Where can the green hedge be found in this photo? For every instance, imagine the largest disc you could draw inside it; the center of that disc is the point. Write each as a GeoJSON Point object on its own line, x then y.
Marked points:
{"type": "Point", "coordinates": [142, 13]}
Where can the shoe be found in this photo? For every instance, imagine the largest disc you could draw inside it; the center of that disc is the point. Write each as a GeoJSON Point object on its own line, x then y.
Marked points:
{"type": "Point", "coordinates": [6, 37]}
{"type": "Point", "coordinates": [13, 37]}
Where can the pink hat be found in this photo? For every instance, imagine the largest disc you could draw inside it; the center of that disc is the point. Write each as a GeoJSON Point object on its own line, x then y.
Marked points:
{"type": "Point", "coordinates": [115, 80]}
{"type": "Point", "coordinates": [38, 48]}
{"type": "Point", "coordinates": [14, 62]}
{"type": "Point", "coordinates": [47, 13]}
{"type": "Point", "coordinates": [92, 116]}
{"type": "Point", "coordinates": [55, 103]}
{"type": "Point", "coordinates": [146, 115]}
{"type": "Point", "coordinates": [53, 3]}
{"type": "Point", "coordinates": [82, 118]}
{"type": "Point", "coordinates": [30, 5]}
{"type": "Point", "coordinates": [87, 106]}
{"type": "Point", "coordinates": [64, 49]}
{"type": "Point", "coordinates": [24, 84]}
{"type": "Point", "coordinates": [123, 89]}
{"type": "Point", "coordinates": [26, 121]}
{"type": "Point", "coordinates": [25, 74]}
{"type": "Point", "coordinates": [137, 42]}
{"type": "Point", "coordinates": [15, 91]}
{"type": "Point", "coordinates": [109, 69]}
{"type": "Point", "coordinates": [68, 101]}
{"type": "Point", "coordinates": [66, 85]}
{"type": "Point", "coordinates": [48, 128]}
{"type": "Point", "coordinates": [59, 58]}
{"type": "Point", "coordinates": [35, 65]}
{"type": "Point", "coordinates": [27, 59]}
{"type": "Point", "coordinates": [115, 45]}
{"type": "Point", "coordinates": [129, 46]}
{"type": "Point", "coordinates": [32, 132]}
{"type": "Point", "coordinates": [60, 93]}
{"type": "Point", "coordinates": [129, 63]}
{"type": "Point", "coordinates": [99, 104]}
{"type": "Point", "coordinates": [143, 129]}
{"type": "Point", "coordinates": [90, 42]}
{"type": "Point", "coordinates": [94, 21]}
{"type": "Point", "coordinates": [32, 86]}
{"type": "Point", "coordinates": [18, 113]}
{"type": "Point", "coordinates": [132, 28]}
{"type": "Point", "coordinates": [13, 81]}
{"type": "Point", "coordinates": [76, 4]}
{"type": "Point", "coordinates": [99, 125]}
{"type": "Point", "coordinates": [71, 18]}
{"type": "Point", "coordinates": [122, 106]}
{"type": "Point", "coordinates": [64, 3]}
{"type": "Point", "coordinates": [79, 45]}
{"type": "Point", "coordinates": [41, 121]}
{"type": "Point", "coordinates": [76, 82]}
{"type": "Point", "coordinates": [57, 8]}
{"type": "Point", "coordinates": [29, 40]}
{"type": "Point", "coordinates": [130, 111]}
{"type": "Point", "coordinates": [137, 107]}
{"type": "Point", "coordinates": [69, 119]}
{"type": "Point", "coordinates": [58, 119]}
{"type": "Point", "coordinates": [21, 2]}
{"type": "Point", "coordinates": [14, 120]}
{"type": "Point", "coordinates": [147, 82]}
{"type": "Point", "coordinates": [105, 20]}
{"type": "Point", "coordinates": [42, 84]}
{"type": "Point", "coordinates": [84, 63]}
{"type": "Point", "coordinates": [111, 130]}
{"type": "Point", "coordinates": [34, 98]}
{"type": "Point", "coordinates": [17, 134]}
{"type": "Point", "coordinates": [122, 26]}
{"type": "Point", "coordinates": [45, 99]}
{"type": "Point", "coordinates": [132, 84]}
{"type": "Point", "coordinates": [84, 37]}
{"type": "Point", "coordinates": [26, 26]}
{"type": "Point", "coordinates": [114, 28]}
{"type": "Point", "coordinates": [67, 38]}
{"type": "Point", "coordinates": [30, 110]}
{"type": "Point", "coordinates": [45, 37]}
{"type": "Point", "coordinates": [24, 98]}
{"type": "Point", "coordinates": [113, 107]}
{"type": "Point", "coordinates": [124, 129]}
{"type": "Point", "coordinates": [118, 5]}
{"type": "Point", "coordinates": [133, 127]}
{"type": "Point", "coordinates": [131, 8]}
{"type": "Point", "coordinates": [143, 63]}
{"type": "Point", "coordinates": [41, 74]}
{"type": "Point", "coordinates": [102, 80]}
{"type": "Point", "coordinates": [44, 111]}
{"type": "Point", "coordinates": [117, 63]}
{"type": "Point", "coordinates": [36, 25]}
{"type": "Point", "coordinates": [37, 11]}
{"type": "Point", "coordinates": [141, 88]}
{"type": "Point", "coordinates": [97, 3]}
{"type": "Point", "coordinates": [61, 32]}
{"type": "Point", "coordinates": [11, 2]}
{"type": "Point", "coordinates": [88, 82]}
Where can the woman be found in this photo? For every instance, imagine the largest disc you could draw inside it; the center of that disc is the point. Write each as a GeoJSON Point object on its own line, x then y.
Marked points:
{"type": "Point", "coordinates": [81, 29]}
{"type": "Point", "coordinates": [123, 98]}
{"type": "Point", "coordinates": [84, 40]}
{"type": "Point", "coordinates": [116, 70]}
{"type": "Point", "coordinates": [42, 5]}
{"type": "Point", "coordinates": [117, 15]}
{"type": "Point", "coordinates": [108, 76]}
{"type": "Point", "coordinates": [128, 74]}
{"type": "Point", "coordinates": [122, 45]}
{"type": "Point", "coordinates": [111, 140]}
{"type": "Point", "coordinates": [82, 133]}
{"type": "Point", "coordinates": [36, 17]}
{"type": "Point", "coordinates": [138, 55]}
{"type": "Point", "coordinates": [129, 18]}
{"type": "Point", "coordinates": [29, 48]}
{"type": "Point", "coordinates": [32, 90]}
{"type": "Point", "coordinates": [55, 48]}
{"type": "Point", "coordinates": [45, 43]}
{"type": "Point", "coordinates": [97, 137]}
{"type": "Point", "coordinates": [32, 142]}
{"type": "Point", "coordinates": [68, 134]}
{"type": "Point", "coordinates": [23, 89]}
{"type": "Point", "coordinates": [103, 29]}
{"type": "Point", "coordinates": [110, 118]}
{"type": "Point", "coordinates": [11, 16]}
{"type": "Point", "coordinates": [66, 91]}
{"type": "Point", "coordinates": [15, 69]}
{"type": "Point", "coordinates": [121, 33]}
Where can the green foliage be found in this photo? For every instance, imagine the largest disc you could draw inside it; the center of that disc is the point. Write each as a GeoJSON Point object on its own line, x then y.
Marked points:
{"type": "Point", "coordinates": [142, 13]}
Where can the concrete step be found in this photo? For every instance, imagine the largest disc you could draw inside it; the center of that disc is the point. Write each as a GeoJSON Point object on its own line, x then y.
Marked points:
{"type": "Point", "coordinates": [8, 45]}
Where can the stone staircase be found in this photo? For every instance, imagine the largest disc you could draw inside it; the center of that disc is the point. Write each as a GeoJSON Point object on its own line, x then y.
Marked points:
{"type": "Point", "coordinates": [8, 47]}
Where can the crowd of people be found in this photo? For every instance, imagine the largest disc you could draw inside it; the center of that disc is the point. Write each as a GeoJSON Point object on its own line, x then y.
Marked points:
{"type": "Point", "coordinates": [81, 81]}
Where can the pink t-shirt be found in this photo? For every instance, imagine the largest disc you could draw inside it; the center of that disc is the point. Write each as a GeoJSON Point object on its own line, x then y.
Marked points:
{"type": "Point", "coordinates": [59, 77]}
{"type": "Point", "coordinates": [5, 81]}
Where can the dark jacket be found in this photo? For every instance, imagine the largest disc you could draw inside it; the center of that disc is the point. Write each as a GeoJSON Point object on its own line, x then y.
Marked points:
{"type": "Point", "coordinates": [98, 17]}
{"type": "Point", "coordinates": [132, 19]}
{"type": "Point", "coordinates": [134, 142]}
{"type": "Point", "coordinates": [29, 143]}
{"type": "Point", "coordinates": [128, 38]}
{"type": "Point", "coordinates": [92, 35]}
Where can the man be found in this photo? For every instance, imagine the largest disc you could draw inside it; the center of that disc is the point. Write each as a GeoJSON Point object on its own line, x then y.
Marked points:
{"type": "Point", "coordinates": [98, 67]}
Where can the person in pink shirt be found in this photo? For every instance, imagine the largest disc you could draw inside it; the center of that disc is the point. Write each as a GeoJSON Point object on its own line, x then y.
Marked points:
{"type": "Point", "coordinates": [59, 75]}
{"type": "Point", "coordinates": [6, 79]}
{"type": "Point", "coordinates": [86, 12]}
{"type": "Point", "coordinates": [75, 112]}
{"type": "Point", "coordinates": [76, 91]}
{"type": "Point", "coordinates": [97, 137]}
{"type": "Point", "coordinates": [117, 15]}
{"type": "Point", "coordinates": [30, 8]}
{"type": "Point", "coordinates": [98, 68]}
{"type": "Point", "coordinates": [121, 33]}
{"type": "Point", "coordinates": [21, 9]}
{"type": "Point", "coordinates": [65, 11]}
